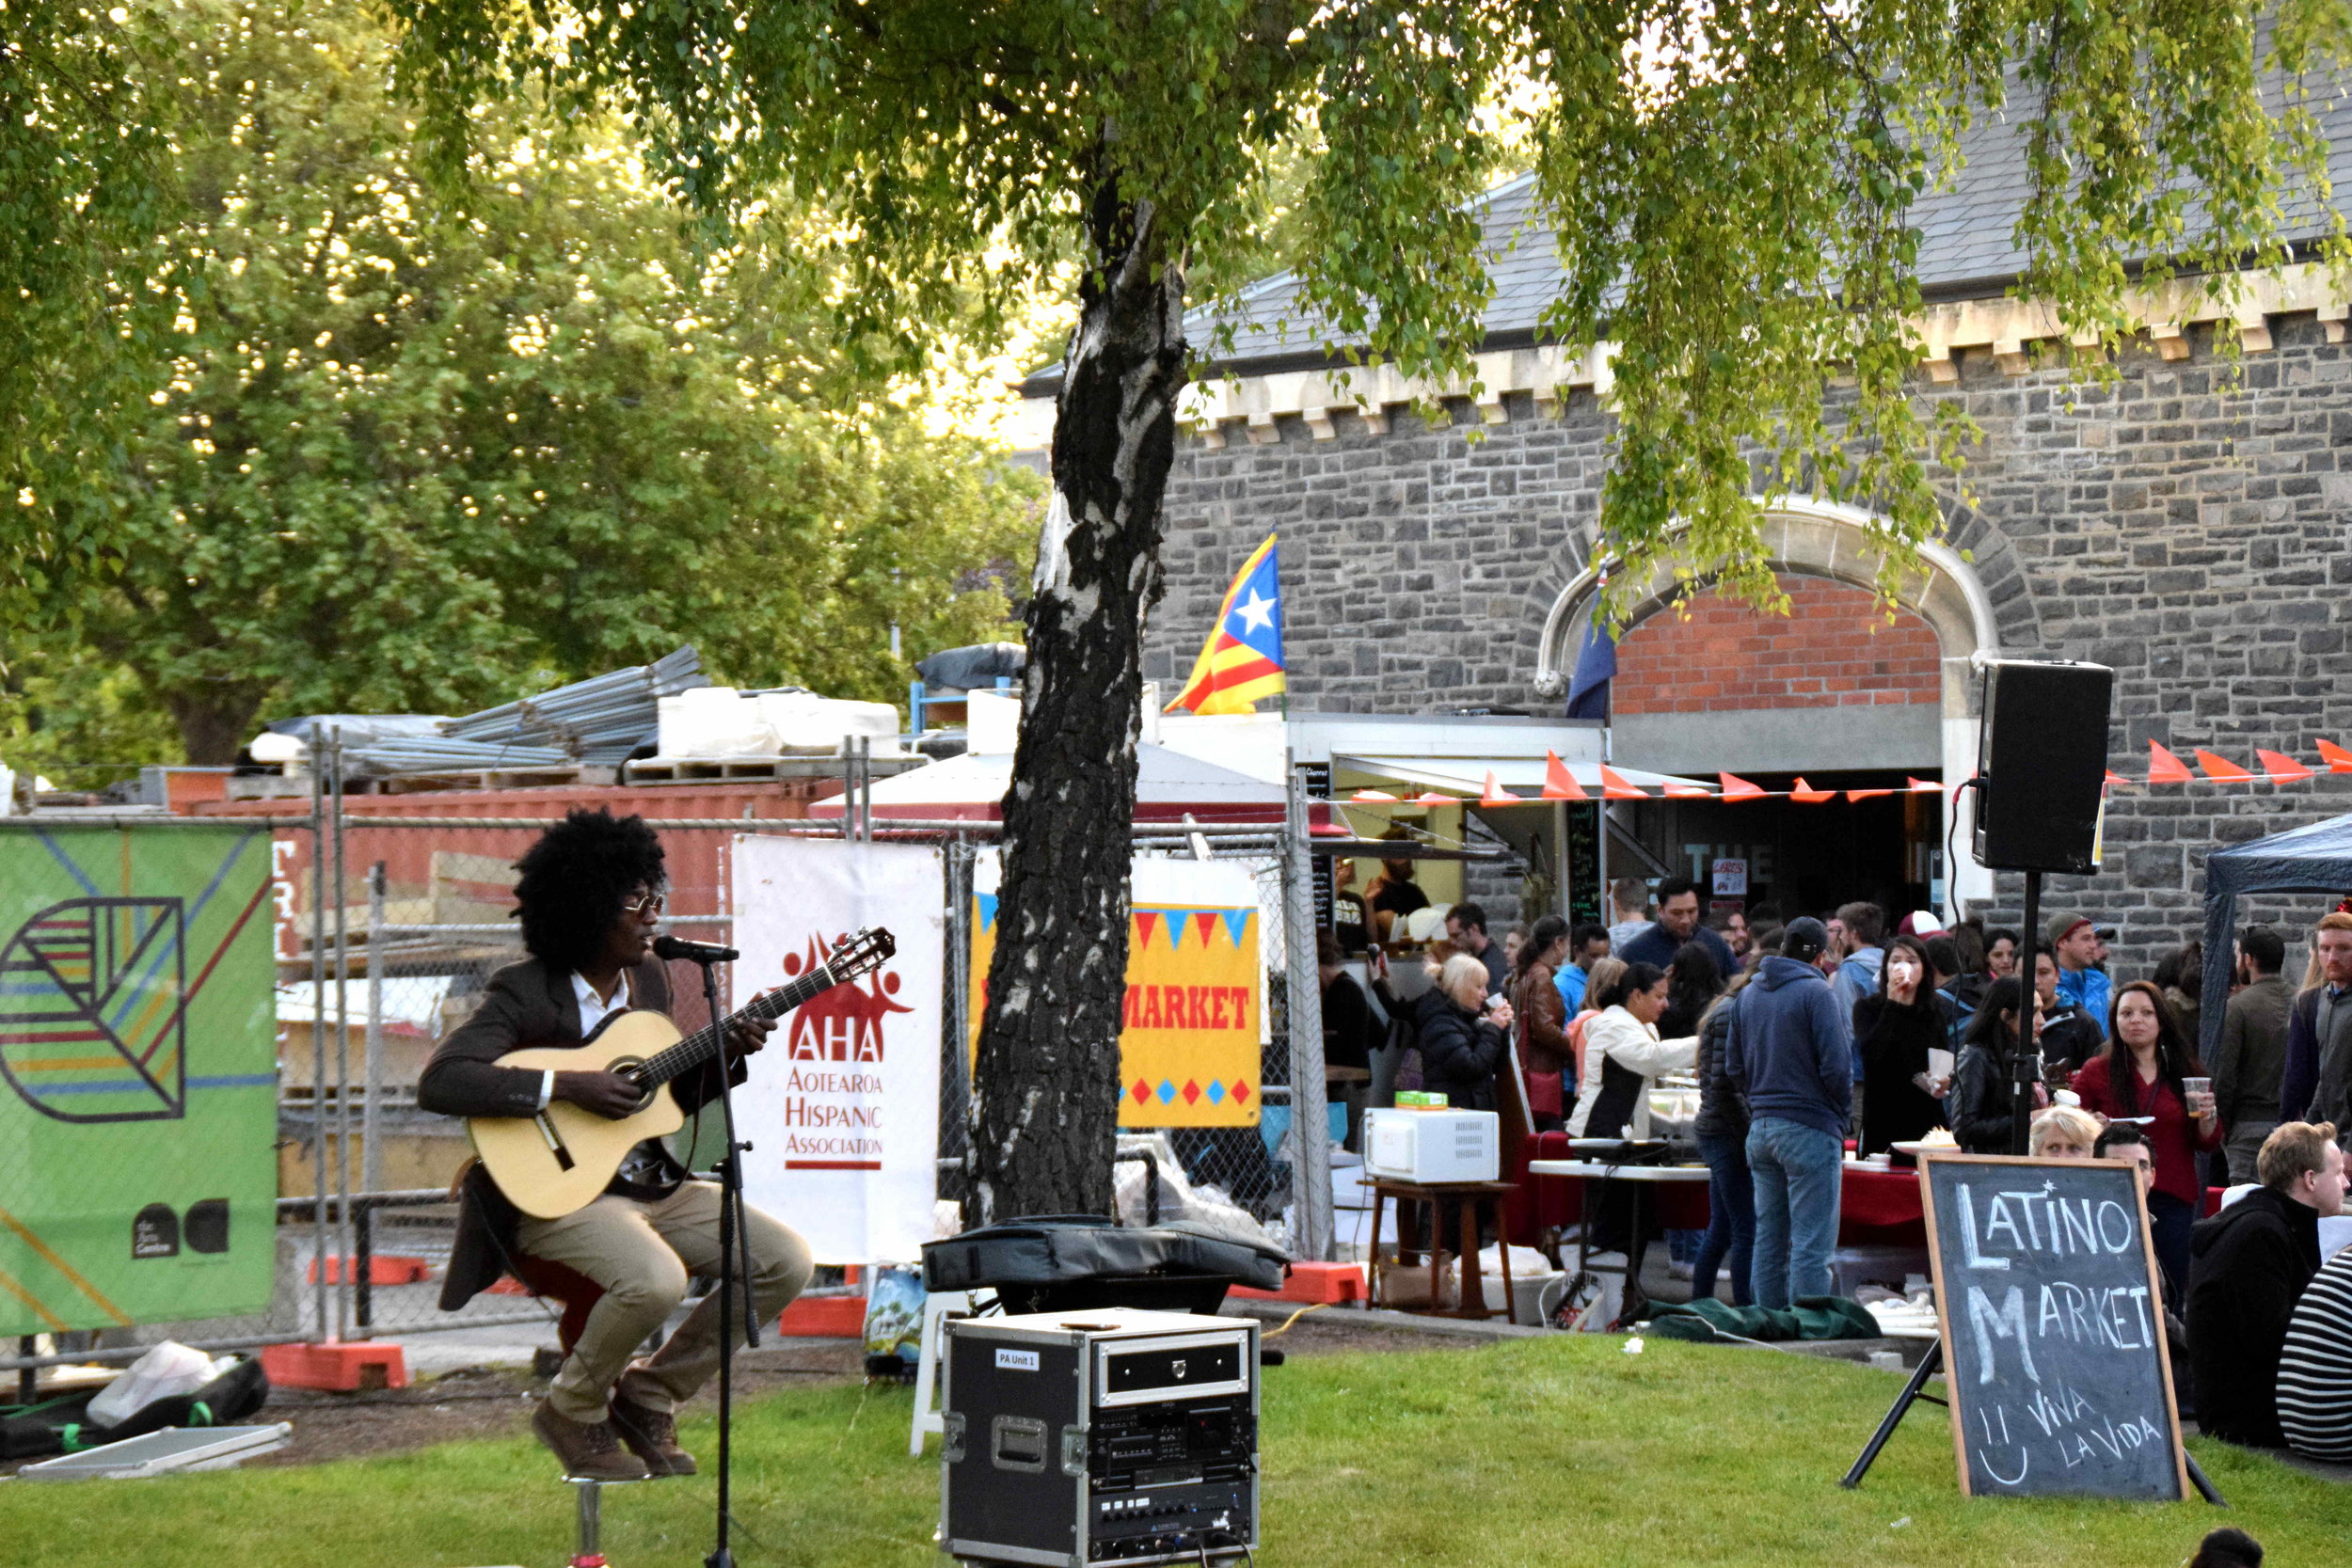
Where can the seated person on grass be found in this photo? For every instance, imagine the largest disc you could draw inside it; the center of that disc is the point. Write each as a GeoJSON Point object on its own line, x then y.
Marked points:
{"type": "Point", "coordinates": [2316, 1367]}
{"type": "Point", "coordinates": [2252, 1263]}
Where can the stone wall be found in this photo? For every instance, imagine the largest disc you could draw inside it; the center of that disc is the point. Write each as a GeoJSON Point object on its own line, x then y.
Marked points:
{"type": "Point", "coordinates": [2189, 532]}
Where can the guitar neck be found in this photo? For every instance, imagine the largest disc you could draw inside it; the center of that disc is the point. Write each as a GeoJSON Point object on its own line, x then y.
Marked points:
{"type": "Point", "coordinates": [701, 1046]}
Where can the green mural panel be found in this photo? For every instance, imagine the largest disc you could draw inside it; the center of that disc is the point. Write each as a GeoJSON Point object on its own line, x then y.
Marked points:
{"type": "Point", "coordinates": [138, 1076]}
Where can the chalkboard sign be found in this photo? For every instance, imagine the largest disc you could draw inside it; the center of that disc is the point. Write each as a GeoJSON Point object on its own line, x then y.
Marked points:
{"type": "Point", "coordinates": [2053, 1326]}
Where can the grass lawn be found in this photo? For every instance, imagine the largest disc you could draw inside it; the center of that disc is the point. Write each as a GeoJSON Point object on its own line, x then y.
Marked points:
{"type": "Point", "coordinates": [1562, 1450]}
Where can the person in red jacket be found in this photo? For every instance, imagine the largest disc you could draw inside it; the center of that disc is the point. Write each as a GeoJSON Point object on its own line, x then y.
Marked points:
{"type": "Point", "coordinates": [2142, 1073]}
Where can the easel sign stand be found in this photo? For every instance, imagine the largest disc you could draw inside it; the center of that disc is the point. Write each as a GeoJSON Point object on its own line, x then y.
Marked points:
{"type": "Point", "coordinates": [2050, 1317]}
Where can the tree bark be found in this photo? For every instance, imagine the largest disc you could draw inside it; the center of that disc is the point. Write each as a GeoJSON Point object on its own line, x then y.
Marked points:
{"type": "Point", "coordinates": [214, 725]}
{"type": "Point", "coordinates": [1046, 1084]}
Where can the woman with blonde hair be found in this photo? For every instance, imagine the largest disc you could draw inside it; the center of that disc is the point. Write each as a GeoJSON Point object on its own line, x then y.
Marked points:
{"type": "Point", "coordinates": [2063, 1132]}
{"type": "Point", "coordinates": [1462, 1040]}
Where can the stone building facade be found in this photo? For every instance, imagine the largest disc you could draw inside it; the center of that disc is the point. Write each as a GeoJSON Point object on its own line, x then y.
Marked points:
{"type": "Point", "coordinates": [2185, 524]}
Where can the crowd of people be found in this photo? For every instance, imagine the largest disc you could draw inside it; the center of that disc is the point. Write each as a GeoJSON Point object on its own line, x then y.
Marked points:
{"type": "Point", "coordinates": [1812, 1035]}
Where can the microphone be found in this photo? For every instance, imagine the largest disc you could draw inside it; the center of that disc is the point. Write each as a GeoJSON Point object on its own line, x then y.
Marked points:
{"type": "Point", "coordinates": [692, 952]}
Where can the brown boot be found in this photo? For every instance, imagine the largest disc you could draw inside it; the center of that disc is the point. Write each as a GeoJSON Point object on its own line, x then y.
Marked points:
{"type": "Point", "coordinates": [590, 1450]}
{"type": "Point", "coordinates": [651, 1435]}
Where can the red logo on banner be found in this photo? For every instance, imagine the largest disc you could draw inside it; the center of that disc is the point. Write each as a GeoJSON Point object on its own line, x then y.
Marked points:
{"type": "Point", "coordinates": [842, 1024]}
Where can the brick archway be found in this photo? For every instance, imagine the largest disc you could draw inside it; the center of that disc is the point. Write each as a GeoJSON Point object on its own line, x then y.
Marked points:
{"type": "Point", "coordinates": [1835, 649]}
{"type": "Point", "coordinates": [1839, 546]}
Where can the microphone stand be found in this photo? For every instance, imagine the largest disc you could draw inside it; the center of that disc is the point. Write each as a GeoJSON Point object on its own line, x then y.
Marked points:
{"type": "Point", "coordinates": [729, 1170]}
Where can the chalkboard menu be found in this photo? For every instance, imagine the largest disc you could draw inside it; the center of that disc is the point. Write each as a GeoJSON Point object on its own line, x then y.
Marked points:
{"type": "Point", "coordinates": [2052, 1324]}
{"type": "Point", "coordinates": [1580, 865]}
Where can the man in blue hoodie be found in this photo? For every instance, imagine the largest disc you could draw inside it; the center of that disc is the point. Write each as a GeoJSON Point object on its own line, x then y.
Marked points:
{"type": "Point", "coordinates": [1790, 1052]}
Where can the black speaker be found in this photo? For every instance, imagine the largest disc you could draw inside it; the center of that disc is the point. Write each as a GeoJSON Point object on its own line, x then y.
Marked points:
{"type": "Point", "coordinates": [2043, 759]}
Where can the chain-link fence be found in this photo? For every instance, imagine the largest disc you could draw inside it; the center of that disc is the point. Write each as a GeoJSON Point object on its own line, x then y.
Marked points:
{"type": "Point", "coordinates": [388, 923]}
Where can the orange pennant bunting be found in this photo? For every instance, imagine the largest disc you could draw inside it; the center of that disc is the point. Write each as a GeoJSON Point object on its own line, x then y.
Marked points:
{"type": "Point", "coordinates": [1434, 799]}
{"type": "Point", "coordinates": [2282, 768]}
{"type": "Point", "coordinates": [1866, 794]}
{"type": "Point", "coordinates": [2336, 757]}
{"type": "Point", "coordinates": [1689, 792]}
{"type": "Point", "coordinates": [1809, 795]}
{"type": "Point", "coordinates": [1372, 795]}
{"type": "Point", "coordinates": [2220, 769]}
{"type": "Point", "coordinates": [2166, 768]}
{"type": "Point", "coordinates": [1495, 794]}
{"type": "Point", "coordinates": [1738, 788]}
{"type": "Point", "coordinates": [2115, 777]}
{"type": "Point", "coordinates": [1614, 787]}
{"type": "Point", "coordinates": [1559, 784]}
{"type": "Point", "coordinates": [1922, 786]}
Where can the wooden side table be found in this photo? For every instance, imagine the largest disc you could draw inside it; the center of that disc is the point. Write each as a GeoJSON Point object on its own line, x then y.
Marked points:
{"type": "Point", "coordinates": [1471, 1199]}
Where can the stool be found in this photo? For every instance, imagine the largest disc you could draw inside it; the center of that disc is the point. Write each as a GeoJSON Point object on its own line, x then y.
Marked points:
{"type": "Point", "coordinates": [1471, 1198]}
{"type": "Point", "coordinates": [590, 1554]}
{"type": "Point", "coordinates": [938, 1306]}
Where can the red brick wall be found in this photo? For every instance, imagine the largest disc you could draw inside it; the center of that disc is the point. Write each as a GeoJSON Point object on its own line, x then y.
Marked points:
{"type": "Point", "coordinates": [1835, 649]}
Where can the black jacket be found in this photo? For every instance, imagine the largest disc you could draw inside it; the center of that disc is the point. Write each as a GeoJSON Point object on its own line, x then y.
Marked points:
{"type": "Point", "coordinates": [528, 1004]}
{"type": "Point", "coordinates": [1347, 1031]}
{"type": "Point", "coordinates": [2250, 1265]}
{"type": "Point", "coordinates": [1722, 1111]}
{"type": "Point", "coordinates": [1460, 1053]}
{"type": "Point", "coordinates": [1893, 1043]}
{"type": "Point", "coordinates": [1982, 1097]}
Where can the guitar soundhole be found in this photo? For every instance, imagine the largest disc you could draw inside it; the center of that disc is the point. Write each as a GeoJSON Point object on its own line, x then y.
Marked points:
{"type": "Point", "coordinates": [631, 1067]}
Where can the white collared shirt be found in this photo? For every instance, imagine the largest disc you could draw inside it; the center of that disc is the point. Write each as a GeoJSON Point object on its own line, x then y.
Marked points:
{"type": "Point", "coordinates": [593, 1010]}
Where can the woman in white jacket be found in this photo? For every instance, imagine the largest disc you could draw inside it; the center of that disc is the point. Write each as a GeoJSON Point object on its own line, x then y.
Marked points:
{"type": "Point", "coordinates": [1623, 1054]}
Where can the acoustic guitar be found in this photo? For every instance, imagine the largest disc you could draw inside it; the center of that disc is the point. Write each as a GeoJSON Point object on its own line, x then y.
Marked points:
{"type": "Point", "coordinates": [560, 1159]}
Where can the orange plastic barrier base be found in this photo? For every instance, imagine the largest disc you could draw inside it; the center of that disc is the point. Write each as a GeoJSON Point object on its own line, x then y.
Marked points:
{"type": "Point", "coordinates": [1317, 1284]}
{"type": "Point", "coordinates": [344, 1368]}
{"type": "Point", "coordinates": [825, 1318]}
{"type": "Point", "coordinates": [382, 1269]}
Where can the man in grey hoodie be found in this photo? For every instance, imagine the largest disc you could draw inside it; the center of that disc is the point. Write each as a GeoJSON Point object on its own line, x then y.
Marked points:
{"type": "Point", "coordinates": [1790, 1052]}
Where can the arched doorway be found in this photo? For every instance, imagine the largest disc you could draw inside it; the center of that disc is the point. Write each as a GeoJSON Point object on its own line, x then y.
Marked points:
{"type": "Point", "coordinates": [1831, 691]}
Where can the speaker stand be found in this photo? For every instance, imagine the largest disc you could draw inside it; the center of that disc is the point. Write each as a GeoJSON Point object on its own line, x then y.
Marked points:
{"type": "Point", "coordinates": [2026, 1064]}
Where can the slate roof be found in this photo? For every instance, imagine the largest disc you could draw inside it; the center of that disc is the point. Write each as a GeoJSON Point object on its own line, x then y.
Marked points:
{"type": "Point", "coordinates": [1966, 250]}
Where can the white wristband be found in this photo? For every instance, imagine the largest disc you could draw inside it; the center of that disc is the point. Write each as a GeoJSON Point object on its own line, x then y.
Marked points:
{"type": "Point", "coordinates": [547, 1087]}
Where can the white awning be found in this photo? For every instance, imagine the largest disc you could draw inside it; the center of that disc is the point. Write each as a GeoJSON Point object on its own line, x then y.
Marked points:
{"type": "Point", "coordinates": [1519, 775]}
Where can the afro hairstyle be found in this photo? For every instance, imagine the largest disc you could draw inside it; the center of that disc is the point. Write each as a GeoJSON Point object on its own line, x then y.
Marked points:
{"type": "Point", "coordinates": [574, 881]}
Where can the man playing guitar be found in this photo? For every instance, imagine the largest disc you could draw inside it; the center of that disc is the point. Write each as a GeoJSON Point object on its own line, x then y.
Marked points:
{"type": "Point", "coordinates": [590, 895]}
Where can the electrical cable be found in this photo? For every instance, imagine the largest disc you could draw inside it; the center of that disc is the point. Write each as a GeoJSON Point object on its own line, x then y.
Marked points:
{"type": "Point", "coordinates": [1952, 825]}
{"type": "Point", "coordinates": [1292, 1319]}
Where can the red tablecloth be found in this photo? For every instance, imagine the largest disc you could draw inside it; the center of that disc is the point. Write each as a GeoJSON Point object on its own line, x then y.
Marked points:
{"type": "Point", "coordinates": [1876, 1208]}
{"type": "Point", "coordinates": [1881, 1207]}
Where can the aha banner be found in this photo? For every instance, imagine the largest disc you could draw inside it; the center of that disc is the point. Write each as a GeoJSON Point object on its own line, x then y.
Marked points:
{"type": "Point", "coordinates": [842, 1108]}
{"type": "Point", "coordinates": [1193, 1021]}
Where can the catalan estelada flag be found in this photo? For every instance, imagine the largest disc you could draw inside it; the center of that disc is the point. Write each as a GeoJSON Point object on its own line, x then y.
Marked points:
{"type": "Point", "coordinates": [1242, 660]}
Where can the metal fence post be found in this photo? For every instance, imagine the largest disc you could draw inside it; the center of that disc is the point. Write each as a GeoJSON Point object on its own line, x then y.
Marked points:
{"type": "Point", "coordinates": [318, 1038]}
{"type": "Point", "coordinates": [371, 1154]}
{"type": "Point", "coordinates": [955, 1077]}
{"type": "Point", "coordinates": [1311, 1143]}
{"type": "Point", "coordinates": [343, 1041]}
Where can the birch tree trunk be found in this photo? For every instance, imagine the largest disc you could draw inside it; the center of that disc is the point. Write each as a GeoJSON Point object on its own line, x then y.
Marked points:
{"type": "Point", "coordinates": [1046, 1085]}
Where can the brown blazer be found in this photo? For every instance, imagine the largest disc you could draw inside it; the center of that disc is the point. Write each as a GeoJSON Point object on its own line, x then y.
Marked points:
{"type": "Point", "coordinates": [528, 1004]}
{"type": "Point", "coordinates": [1540, 1014]}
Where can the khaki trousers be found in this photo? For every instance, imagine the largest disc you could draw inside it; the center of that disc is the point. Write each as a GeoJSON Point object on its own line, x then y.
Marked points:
{"type": "Point", "coordinates": [642, 1253]}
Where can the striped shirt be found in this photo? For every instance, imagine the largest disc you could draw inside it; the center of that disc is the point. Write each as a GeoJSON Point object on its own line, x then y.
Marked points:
{"type": "Point", "coordinates": [2315, 1366]}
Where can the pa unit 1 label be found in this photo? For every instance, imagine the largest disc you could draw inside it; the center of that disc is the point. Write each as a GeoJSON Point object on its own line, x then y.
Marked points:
{"type": "Point", "coordinates": [1017, 1361]}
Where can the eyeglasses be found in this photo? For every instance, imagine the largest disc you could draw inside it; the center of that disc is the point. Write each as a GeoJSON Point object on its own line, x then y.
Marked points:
{"type": "Point", "coordinates": [643, 904]}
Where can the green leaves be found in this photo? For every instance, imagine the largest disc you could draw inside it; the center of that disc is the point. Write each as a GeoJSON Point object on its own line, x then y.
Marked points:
{"type": "Point", "coordinates": [410, 459]}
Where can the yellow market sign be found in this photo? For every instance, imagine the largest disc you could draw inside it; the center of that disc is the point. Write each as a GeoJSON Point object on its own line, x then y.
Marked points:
{"type": "Point", "coordinates": [1188, 1052]}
